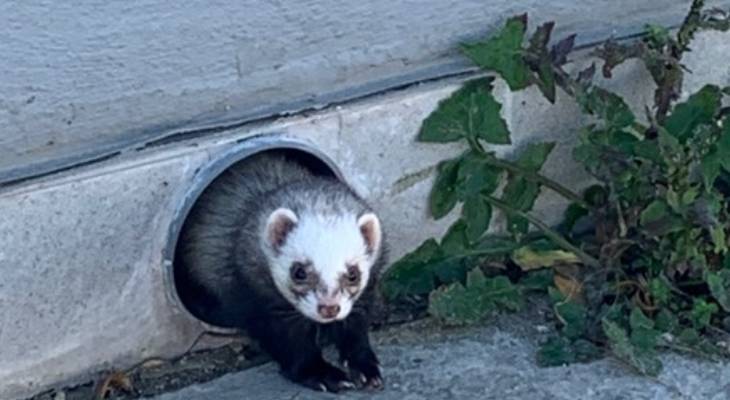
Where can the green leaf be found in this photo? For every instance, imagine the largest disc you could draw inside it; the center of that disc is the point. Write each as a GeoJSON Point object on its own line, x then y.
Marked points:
{"type": "Point", "coordinates": [710, 167]}
{"type": "Point", "coordinates": [503, 53]}
{"type": "Point", "coordinates": [504, 293]}
{"type": "Point", "coordinates": [477, 176]}
{"type": "Point", "coordinates": [659, 291]}
{"type": "Point", "coordinates": [607, 106]}
{"type": "Point", "coordinates": [538, 280]}
{"type": "Point", "coordinates": [558, 350]}
{"type": "Point", "coordinates": [720, 288]}
{"type": "Point", "coordinates": [546, 80]}
{"type": "Point", "coordinates": [666, 321]}
{"type": "Point", "coordinates": [723, 144]}
{"type": "Point", "coordinates": [702, 312]}
{"type": "Point", "coordinates": [455, 305]}
{"type": "Point", "coordinates": [643, 334]}
{"type": "Point", "coordinates": [529, 259]}
{"type": "Point", "coordinates": [444, 195]}
{"type": "Point", "coordinates": [411, 275]}
{"type": "Point", "coordinates": [458, 304]}
{"type": "Point", "coordinates": [538, 49]}
{"type": "Point", "coordinates": [718, 239]}
{"type": "Point", "coordinates": [644, 362]}
{"type": "Point", "coordinates": [699, 109]}
{"type": "Point", "coordinates": [477, 213]}
{"type": "Point", "coordinates": [454, 241]}
{"type": "Point", "coordinates": [657, 219]}
{"type": "Point", "coordinates": [573, 316]}
{"type": "Point", "coordinates": [521, 195]}
{"type": "Point", "coordinates": [470, 112]}
{"type": "Point", "coordinates": [534, 155]}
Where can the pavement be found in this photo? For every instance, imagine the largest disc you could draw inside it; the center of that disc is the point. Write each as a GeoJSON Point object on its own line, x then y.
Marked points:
{"type": "Point", "coordinates": [493, 361]}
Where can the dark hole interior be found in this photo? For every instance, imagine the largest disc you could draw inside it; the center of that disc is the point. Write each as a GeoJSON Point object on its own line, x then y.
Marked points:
{"type": "Point", "coordinates": [189, 292]}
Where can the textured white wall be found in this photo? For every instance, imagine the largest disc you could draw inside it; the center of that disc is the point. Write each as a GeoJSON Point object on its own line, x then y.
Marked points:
{"type": "Point", "coordinates": [79, 79]}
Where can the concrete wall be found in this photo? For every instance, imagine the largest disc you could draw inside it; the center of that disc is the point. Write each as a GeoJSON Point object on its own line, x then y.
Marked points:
{"type": "Point", "coordinates": [85, 79]}
{"type": "Point", "coordinates": [83, 252]}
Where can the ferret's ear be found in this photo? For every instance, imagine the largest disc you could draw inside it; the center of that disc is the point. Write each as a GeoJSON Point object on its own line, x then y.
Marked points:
{"type": "Point", "coordinates": [279, 225]}
{"type": "Point", "coordinates": [370, 228]}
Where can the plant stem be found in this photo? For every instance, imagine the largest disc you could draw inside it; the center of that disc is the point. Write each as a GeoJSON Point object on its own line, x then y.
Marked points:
{"type": "Point", "coordinates": [529, 175]}
{"type": "Point", "coordinates": [549, 232]}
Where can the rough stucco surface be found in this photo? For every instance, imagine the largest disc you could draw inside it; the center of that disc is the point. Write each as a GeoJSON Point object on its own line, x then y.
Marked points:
{"type": "Point", "coordinates": [86, 78]}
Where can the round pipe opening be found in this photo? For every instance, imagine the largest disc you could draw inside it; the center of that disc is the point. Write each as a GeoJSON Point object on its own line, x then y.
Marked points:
{"type": "Point", "coordinates": [182, 293]}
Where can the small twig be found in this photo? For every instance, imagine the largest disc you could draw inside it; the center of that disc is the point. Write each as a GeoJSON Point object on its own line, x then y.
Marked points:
{"type": "Point", "coordinates": [549, 232]}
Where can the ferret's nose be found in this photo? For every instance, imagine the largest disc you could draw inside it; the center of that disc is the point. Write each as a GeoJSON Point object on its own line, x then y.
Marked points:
{"type": "Point", "coordinates": [328, 311]}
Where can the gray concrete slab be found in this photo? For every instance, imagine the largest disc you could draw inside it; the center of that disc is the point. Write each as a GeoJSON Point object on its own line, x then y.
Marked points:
{"type": "Point", "coordinates": [490, 362]}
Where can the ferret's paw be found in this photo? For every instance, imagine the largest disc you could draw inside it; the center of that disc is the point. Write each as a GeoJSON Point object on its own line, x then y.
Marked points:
{"type": "Point", "coordinates": [327, 378]}
{"type": "Point", "coordinates": [365, 372]}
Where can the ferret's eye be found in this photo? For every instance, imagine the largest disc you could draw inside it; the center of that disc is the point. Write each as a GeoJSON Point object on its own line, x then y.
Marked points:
{"type": "Point", "coordinates": [353, 275]}
{"type": "Point", "coordinates": [298, 272]}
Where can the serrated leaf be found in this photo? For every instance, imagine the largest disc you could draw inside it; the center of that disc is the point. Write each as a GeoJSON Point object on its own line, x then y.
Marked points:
{"type": "Point", "coordinates": [573, 317]}
{"type": "Point", "coordinates": [454, 241]}
{"type": "Point", "coordinates": [717, 233]}
{"type": "Point", "coordinates": [637, 320]}
{"type": "Point", "coordinates": [723, 144]}
{"type": "Point", "coordinates": [541, 61]}
{"type": "Point", "coordinates": [643, 334]}
{"type": "Point", "coordinates": [529, 259]}
{"type": "Point", "coordinates": [541, 38]}
{"type": "Point", "coordinates": [534, 155]}
{"type": "Point", "coordinates": [657, 219]}
{"type": "Point", "coordinates": [444, 193]}
{"type": "Point", "coordinates": [476, 176]}
{"type": "Point", "coordinates": [477, 213]}
{"type": "Point", "coordinates": [710, 167]}
{"type": "Point", "coordinates": [666, 321]}
{"type": "Point", "coordinates": [503, 53]}
{"type": "Point", "coordinates": [521, 195]}
{"type": "Point", "coordinates": [699, 109]}
{"type": "Point", "coordinates": [559, 52]}
{"type": "Point", "coordinates": [659, 291]}
{"type": "Point", "coordinates": [504, 293]}
{"type": "Point", "coordinates": [607, 106]}
{"type": "Point", "coordinates": [558, 350]}
{"type": "Point", "coordinates": [546, 81]}
{"type": "Point", "coordinates": [720, 288]}
{"type": "Point", "coordinates": [586, 75]}
{"type": "Point", "coordinates": [411, 274]}
{"type": "Point", "coordinates": [457, 304]}
{"type": "Point", "coordinates": [702, 312]}
{"type": "Point", "coordinates": [644, 362]}
{"type": "Point", "coordinates": [471, 111]}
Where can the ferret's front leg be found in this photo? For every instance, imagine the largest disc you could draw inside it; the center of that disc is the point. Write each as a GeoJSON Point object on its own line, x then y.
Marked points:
{"type": "Point", "coordinates": [353, 343]}
{"type": "Point", "coordinates": [295, 349]}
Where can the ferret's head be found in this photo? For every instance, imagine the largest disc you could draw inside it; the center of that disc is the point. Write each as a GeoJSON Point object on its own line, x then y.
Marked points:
{"type": "Point", "coordinates": [321, 263]}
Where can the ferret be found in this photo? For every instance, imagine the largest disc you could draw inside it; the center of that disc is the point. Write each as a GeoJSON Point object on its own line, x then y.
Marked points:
{"type": "Point", "coordinates": [292, 258]}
